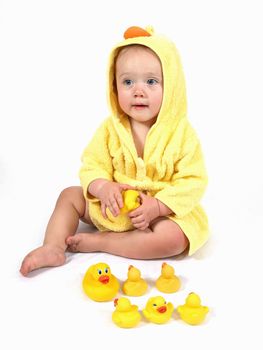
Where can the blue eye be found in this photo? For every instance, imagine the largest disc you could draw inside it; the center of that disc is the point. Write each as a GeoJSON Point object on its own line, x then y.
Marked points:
{"type": "Point", "coordinates": [127, 82]}
{"type": "Point", "coordinates": [152, 81]}
{"type": "Point", "coordinates": [106, 270]}
{"type": "Point", "coordinates": [99, 272]}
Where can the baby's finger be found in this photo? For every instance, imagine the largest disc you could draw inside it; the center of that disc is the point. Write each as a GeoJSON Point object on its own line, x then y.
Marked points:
{"type": "Point", "coordinates": [103, 210]}
{"type": "Point", "coordinates": [137, 220]}
{"type": "Point", "coordinates": [114, 207]}
{"type": "Point", "coordinates": [119, 200]}
{"type": "Point", "coordinates": [142, 197]}
{"type": "Point", "coordinates": [141, 226]}
{"type": "Point", "coordinates": [135, 213]}
{"type": "Point", "coordinates": [127, 187]}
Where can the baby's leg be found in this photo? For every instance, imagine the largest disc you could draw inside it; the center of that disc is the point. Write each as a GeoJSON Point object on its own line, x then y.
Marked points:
{"type": "Point", "coordinates": [70, 207]}
{"type": "Point", "coordinates": [165, 238]}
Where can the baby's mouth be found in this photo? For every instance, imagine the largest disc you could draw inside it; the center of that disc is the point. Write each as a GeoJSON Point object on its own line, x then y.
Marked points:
{"type": "Point", "coordinates": [139, 106]}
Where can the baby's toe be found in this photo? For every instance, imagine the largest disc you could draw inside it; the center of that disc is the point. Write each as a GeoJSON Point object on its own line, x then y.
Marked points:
{"type": "Point", "coordinates": [26, 266]}
{"type": "Point", "coordinates": [72, 244]}
{"type": "Point", "coordinates": [72, 248]}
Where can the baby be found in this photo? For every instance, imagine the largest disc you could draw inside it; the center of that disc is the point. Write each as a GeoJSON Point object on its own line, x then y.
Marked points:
{"type": "Point", "coordinates": [146, 144]}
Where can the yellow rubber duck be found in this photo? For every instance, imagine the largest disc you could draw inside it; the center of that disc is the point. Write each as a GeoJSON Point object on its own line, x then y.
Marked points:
{"type": "Point", "coordinates": [168, 282]}
{"type": "Point", "coordinates": [192, 312]}
{"type": "Point", "coordinates": [157, 310]}
{"type": "Point", "coordinates": [125, 315]}
{"type": "Point", "coordinates": [99, 283]}
{"type": "Point", "coordinates": [131, 201]}
{"type": "Point", "coordinates": [134, 285]}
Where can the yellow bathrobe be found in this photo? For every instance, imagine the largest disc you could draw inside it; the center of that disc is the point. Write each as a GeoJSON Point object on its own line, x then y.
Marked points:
{"type": "Point", "coordinates": [172, 169]}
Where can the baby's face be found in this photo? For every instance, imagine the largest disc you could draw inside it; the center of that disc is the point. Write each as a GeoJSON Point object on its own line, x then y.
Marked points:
{"type": "Point", "coordinates": [139, 83]}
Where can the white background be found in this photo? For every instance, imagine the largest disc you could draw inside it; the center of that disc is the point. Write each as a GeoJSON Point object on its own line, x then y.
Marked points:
{"type": "Point", "coordinates": [53, 57]}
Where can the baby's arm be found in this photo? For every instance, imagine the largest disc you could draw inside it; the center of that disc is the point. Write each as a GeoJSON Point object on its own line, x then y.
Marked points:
{"type": "Point", "coordinates": [189, 180]}
{"type": "Point", "coordinates": [95, 186]}
{"type": "Point", "coordinates": [96, 161]}
{"type": "Point", "coordinates": [163, 209]}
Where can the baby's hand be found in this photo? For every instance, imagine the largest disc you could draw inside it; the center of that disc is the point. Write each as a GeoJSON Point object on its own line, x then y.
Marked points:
{"type": "Point", "coordinates": [110, 196]}
{"type": "Point", "coordinates": [145, 213]}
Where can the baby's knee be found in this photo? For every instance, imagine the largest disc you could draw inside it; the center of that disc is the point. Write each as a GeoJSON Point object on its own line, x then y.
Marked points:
{"type": "Point", "coordinates": [179, 244]}
{"type": "Point", "coordinates": [74, 196]}
{"type": "Point", "coordinates": [176, 240]}
{"type": "Point", "coordinates": [71, 192]}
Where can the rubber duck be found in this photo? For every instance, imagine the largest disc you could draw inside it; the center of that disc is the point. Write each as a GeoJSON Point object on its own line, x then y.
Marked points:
{"type": "Point", "coordinates": [125, 315]}
{"type": "Point", "coordinates": [167, 282]}
{"type": "Point", "coordinates": [134, 285]}
{"type": "Point", "coordinates": [157, 310]}
{"type": "Point", "coordinates": [131, 201]}
{"type": "Point", "coordinates": [99, 283]}
{"type": "Point", "coordinates": [192, 312]}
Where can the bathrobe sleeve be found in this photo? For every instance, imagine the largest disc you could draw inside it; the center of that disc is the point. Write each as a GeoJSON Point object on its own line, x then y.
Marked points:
{"type": "Point", "coordinates": [96, 161]}
{"type": "Point", "coordinates": [188, 182]}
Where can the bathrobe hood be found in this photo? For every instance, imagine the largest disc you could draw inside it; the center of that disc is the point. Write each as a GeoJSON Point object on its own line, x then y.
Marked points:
{"type": "Point", "coordinates": [174, 105]}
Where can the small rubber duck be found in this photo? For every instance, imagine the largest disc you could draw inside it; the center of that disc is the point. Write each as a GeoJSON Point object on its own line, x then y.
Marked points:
{"type": "Point", "coordinates": [157, 310]}
{"type": "Point", "coordinates": [125, 315]}
{"type": "Point", "coordinates": [131, 201]}
{"type": "Point", "coordinates": [192, 312]}
{"type": "Point", "coordinates": [134, 285]}
{"type": "Point", "coordinates": [167, 282]}
{"type": "Point", "coordinates": [99, 283]}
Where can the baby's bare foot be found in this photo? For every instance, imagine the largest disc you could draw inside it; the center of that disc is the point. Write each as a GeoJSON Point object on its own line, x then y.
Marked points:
{"type": "Point", "coordinates": [82, 242]}
{"type": "Point", "coordinates": [47, 255]}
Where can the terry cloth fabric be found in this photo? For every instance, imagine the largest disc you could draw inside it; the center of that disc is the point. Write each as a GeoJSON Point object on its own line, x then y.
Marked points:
{"type": "Point", "coordinates": [172, 169]}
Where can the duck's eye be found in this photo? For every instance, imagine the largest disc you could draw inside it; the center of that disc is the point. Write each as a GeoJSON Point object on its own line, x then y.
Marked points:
{"type": "Point", "coordinates": [154, 304]}
{"type": "Point", "coordinates": [165, 302]}
{"type": "Point", "coordinates": [106, 270]}
{"type": "Point", "coordinates": [99, 272]}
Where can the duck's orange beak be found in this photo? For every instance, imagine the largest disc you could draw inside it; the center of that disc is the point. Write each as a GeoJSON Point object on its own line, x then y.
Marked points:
{"type": "Point", "coordinates": [104, 279]}
{"type": "Point", "coordinates": [116, 302]}
{"type": "Point", "coordinates": [162, 309]}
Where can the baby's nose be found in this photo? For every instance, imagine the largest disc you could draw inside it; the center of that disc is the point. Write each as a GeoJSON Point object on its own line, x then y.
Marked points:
{"type": "Point", "coordinates": [138, 91]}
{"type": "Point", "coordinates": [138, 94]}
